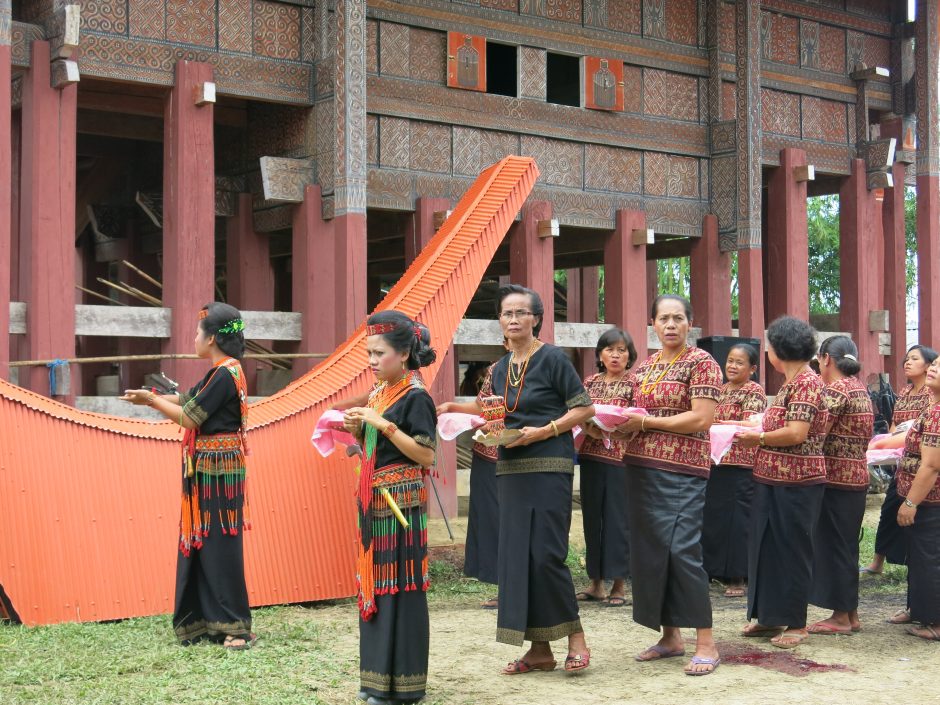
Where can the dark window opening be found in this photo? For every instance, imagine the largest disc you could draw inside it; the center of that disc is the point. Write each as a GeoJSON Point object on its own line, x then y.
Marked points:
{"type": "Point", "coordinates": [563, 80]}
{"type": "Point", "coordinates": [502, 73]}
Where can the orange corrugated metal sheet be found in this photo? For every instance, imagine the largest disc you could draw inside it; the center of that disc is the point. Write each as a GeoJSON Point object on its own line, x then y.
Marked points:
{"type": "Point", "coordinates": [89, 504]}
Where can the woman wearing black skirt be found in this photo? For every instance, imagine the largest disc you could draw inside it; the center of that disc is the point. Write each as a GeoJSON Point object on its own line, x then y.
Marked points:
{"type": "Point", "coordinates": [790, 479]}
{"type": "Point", "coordinates": [918, 480]}
{"type": "Point", "coordinates": [397, 429]}
{"type": "Point", "coordinates": [667, 459]}
{"type": "Point", "coordinates": [730, 485]}
{"type": "Point", "coordinates": [851, 421]}
{"type": "Point", "coordinates": [603, 486]}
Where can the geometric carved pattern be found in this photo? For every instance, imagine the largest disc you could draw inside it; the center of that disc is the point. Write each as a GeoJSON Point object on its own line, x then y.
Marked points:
{"type": "Point", "coordinates": [372, 139]}
{"type": "Point", "coordinates": [105, 16]}
{"type": "Point", "coordinates": [349, 108]}
{"type": "Point", "coordinates": [147, 19]}
{"type": "Point", "coordinates": [393, 49]}
{"type": "Point", "coordinates": [831, 49]}
{"type": "Point", "coordinates": [428, 54]}
{"type": "Point", "coordinates": [824, 120]}
{"type": "Point", "coordinates": [784, 40]}
{"type": "Point", "coordinates": [632, 89]}
{"type": "Point", "coordinates": [475, 150]}
{"type": "Point", "coordinates": [723, 194]}
{"type": "Point", "coordinates": [867, 49]}
{"type": "Point", "coordinates": [563, 10]}
{"type": "Point", "coordinates": [669, 175]}
{"type": "Point", "coordinates": [308, 18]}
{"type": "Point", "coordinates": [372, 46]}
{"type": "Point", "coordinates": [509, 5]}
{"type": "Point", "coordinates": [723, 136]}
{"type": "Point", "coordinates": [809, 45]}
{"type": "Point", "coordinates": [394, 142]}
{"type": "Point", "coordinates": [276, 30]}
{"type": "Point", "coordinates": [560, 162]}
{"type": "Point", "coordinates": [748, 117]}
{"type": "Point", "coordinates": [682, 21]}
{"type": "Point", "coordinates": [855, 50]}
{"type": "Point", "coordinates": [726, 15]}
{"type": "Point", "coordinates": [671, 95]}
{"type": "Point", "coordinates": [654, 19]}
{"type": "Point", "coordinates": [430, 147]}
{"type": "Point", "coordinates": [780, 112]}
{"type": "Point", "coordinates": [613, 169]}
{"type": "Point", "coordinates": [625, 16]}
{"type": "Point", "coordinates": [729, 92]}
{"type": "Point", "coordinates": [191, 22]}
{"type": "Point", "coordinates": [532, 72]}
{"type": "Point", "coordinates": [235, 25]}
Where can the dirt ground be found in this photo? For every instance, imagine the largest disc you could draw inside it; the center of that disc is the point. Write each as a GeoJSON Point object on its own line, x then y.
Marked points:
{"type": "Point", "coordinates": [881, 664]}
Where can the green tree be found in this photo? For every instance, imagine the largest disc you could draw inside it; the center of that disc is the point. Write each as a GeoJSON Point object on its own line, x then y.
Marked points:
{"type": "Point", "coordinates": [822, 220]}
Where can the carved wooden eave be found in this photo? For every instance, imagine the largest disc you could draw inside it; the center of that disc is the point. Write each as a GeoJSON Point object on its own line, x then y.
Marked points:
{"type": "Point", "coordinates": [283, 180]}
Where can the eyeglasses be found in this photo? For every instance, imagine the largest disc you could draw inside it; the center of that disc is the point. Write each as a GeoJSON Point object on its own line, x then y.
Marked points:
{"type": "Point", "coordinates": [509, 315]}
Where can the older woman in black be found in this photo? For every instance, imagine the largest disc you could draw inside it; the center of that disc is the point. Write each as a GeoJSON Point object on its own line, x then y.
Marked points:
{"type": "Point", "coordinates": [544, 400]}
{"type": "Point", "coordinates": [397, 428]}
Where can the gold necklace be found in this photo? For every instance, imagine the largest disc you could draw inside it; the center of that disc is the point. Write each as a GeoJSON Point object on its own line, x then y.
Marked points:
{"type": "Point", "coordinates": [647, 386]}
{"type": "Point", "coordinates": [516, 379]}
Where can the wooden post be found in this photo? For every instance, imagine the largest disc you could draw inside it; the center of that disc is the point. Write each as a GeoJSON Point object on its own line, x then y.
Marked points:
{"type": "Point", "coordinates": [531, 261]}
{"type": "Point", "coordinates": [47, 220]}
{"type": "Point", "coordinates": [625, 270]}
{"type": "Point", "coordinates": [895, 269]}
{"type": "Point", "coordinates": [751, 299]}
{"type": "Point", "coordinates": [6, 195]}
{"type": "Point", "coordinates": [711, 281]}
{"type": "Point", "coordinates": [584, 307]}
{"type": "Point", "coordinates": [349, 233]}
{"type": "Point", "coordinates": [787, 243]}
{"type": "Point", "coordinates": [188, 214]}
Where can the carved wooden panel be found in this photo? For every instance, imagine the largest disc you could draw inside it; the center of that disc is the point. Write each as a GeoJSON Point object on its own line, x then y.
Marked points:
{"type": "Point", "coordinates": [613, 169]}
{"type": "Point", "coordinates": [283, 180]}
{"type": "Point", "coordinates": [625, 16]}
{"type": "Point", "coordinates": [394, 142]}
{"type": "Point", "coordinates": [729, 93]}
{"type": "Point", "coordinates": [276, 30]}
{"type": "Point", "coordinates": [670, 94]}
{"type": "Point", "coordinates": [532, 68]}
{"type": "Point", "coordinates": [394, 49]}
{"type": "Point", "coordinates": [670, 175]}
{"type": "Point", "coordinates": [560, 162]}
{"type": "Point", "coordinates": [726, 19]}
{"type": "Point", "coordinates": [430, 147]}
{"type": "Point", "coordinates": [466, 61]}
{"type": "Point", "coordinates": [780, 112]}
{"type": "Point", "coordinates": [372, 140]}
{"type": "Point", "coordinates": [428, 56]}
{"type": "Point", "coordinates": [372, 46]}
{"type": "Point", "coordinates": [682, 21]}
{"type": "Point", "coordinates": [782, 38]}
{"type": "Point", "coordinates": [191, 22]}
{"type": "Point", "coordinates": [105, 16]}
{"type": "Point", "coordinates": [831, 49]}
{"type": "Point", "coordinates": [603, 83]}
{"type": "Point", "coordinates": [632, 89]}
{"type": "Point", "coordinates": [147, 18]}
{"type": "Point", "coordinates": [562, 10]}
{"type": "Point", "coordinates": [824, 120]}
{"type": "Point", "coordinates": [235, 25]}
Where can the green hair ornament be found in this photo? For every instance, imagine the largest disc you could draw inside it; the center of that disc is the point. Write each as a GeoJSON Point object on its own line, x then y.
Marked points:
{"type": "Point", "coordinates": [236, 325]}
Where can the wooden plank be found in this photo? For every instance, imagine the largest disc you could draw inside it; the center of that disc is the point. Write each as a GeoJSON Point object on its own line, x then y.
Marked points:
{"type": "Point", "coordinates": [272, 325]}
{"type": "Point", "coordinates": [284, 179]}
{"type": "Point", "coordinates": [123, 321]}
{"type": "Point", "coordinates": [17, 318]}
{"type": "Point", "coordinates": [473, 334]}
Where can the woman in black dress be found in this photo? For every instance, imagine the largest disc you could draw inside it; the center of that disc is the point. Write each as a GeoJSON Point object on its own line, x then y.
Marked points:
{"type": "Point", "coordinates": [397, 429]}
{"type": "Point", "coordinates": [211, 596]}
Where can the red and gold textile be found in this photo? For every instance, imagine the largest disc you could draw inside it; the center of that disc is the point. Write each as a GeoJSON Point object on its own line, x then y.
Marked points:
{"type": "Point", "coordinates": [738, 405]}
{"type": "Point", "coordinates": [853, 420]}
{"type": "Point", "coordinates": [925, 432]}
{"type": "Point", "coordinates": [603, 392]}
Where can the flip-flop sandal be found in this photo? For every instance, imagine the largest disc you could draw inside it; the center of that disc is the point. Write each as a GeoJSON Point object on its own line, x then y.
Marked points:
{"type": "Point", "coordinates": [865, 570]}
{"type": "Point", "coordinates": [931, 633]}
{"type": "Point", "coordinates": [577, 662]}
{"type": "Point", "coordinates": [735, 592]}
{"type": "Point", "coordinates": [520, 666]}
{"type": "Point", "coordinates": [587, 597]}
{"type": "Point", "coordinates": [660, 651]}
{"type": "Point", "coordinates": [490, 604]}
{"type": "Point", "coordinates": [616, 601]}
{"type": "Point", "coordinates": [703, 661]}
{"type": "Point", "coordinates": [763, 631]}
{"type": "Point", "coordinates": [827, 628]}
{"type": "Point", "coordinates": [900, 617]}
{"type": "Point", "coordinates": [249, 642]}
{"type": "Point", "coordinates": [793, 640]}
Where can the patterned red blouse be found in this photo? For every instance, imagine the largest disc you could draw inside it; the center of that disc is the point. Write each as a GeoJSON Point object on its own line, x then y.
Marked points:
{"type": "Point", "coordinates": [853, 422]}
{"type": "Point", "coordinates": [490, 453]}
{"type": "Point", "coordinates": [738, 405]}
{"type": "Point", "coordinates": [924, 432]}
{"type": "Point", "coordinates": [909, 404]}
{"type": "Point", "coordinates": [667, 388]}
{"type": "Point", "coordinates": [800, 399]}
{"type": "Point", "coordinates": [603, 392]}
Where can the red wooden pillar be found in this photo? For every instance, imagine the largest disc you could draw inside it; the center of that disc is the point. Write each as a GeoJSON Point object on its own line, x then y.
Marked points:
{"type": "Point", "coordinates": [444, 386]}
{"type": "Point", "coordinates": [625, 270]}
{"type": "Point", "coordinates": [249, 276]}
{"type": "Point", "coordinates": [313, 279]}
{"type": "Point", "coordinates": [47, 220]}
{"type": "Point", "coordinates": [584, 307]}
{"type": "Point", "coordinates": [751, 299]}
{"type": "Point", "coordinates": [349, 233]}
{"type": "Point", "coordinates": [188, 215]}
{"type": "Point", "coordinates": [6, 195]}
{"type": "Point", "coordinates": [860, 239]}
{"type": "Point", "coordinates": [928, 258]}
{"type": "Point", "coordinates": [787, 243]}
{"type": "Point", "coordinates": [895, 269]}
{"type": "Point", "coordinates": [532, 261]}
{"type": "Point", "coordinates": [711, 281]}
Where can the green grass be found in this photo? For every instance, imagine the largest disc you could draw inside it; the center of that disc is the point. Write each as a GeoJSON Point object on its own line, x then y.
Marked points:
{"type": "Point", "coordinates": [894, 578]}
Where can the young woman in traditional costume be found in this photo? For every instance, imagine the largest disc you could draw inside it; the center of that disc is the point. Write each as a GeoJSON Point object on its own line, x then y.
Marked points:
{"type": "Point", "coordinates": [790, 480]}
{"type": "Point", "coordinates": [603, 487]}
{"type": "Point", "coordinates": [544, 400]}
{"type": "Point", "coordinates": [851, 421]}
{"type": "Point", "coordinates": [397, 428]}
{"type": "Point", "coordinates": [731, 485]}
{"type": "Point", "coordinates": [667, 459]}
{"type": "Point", "coordinates": [211, 596]}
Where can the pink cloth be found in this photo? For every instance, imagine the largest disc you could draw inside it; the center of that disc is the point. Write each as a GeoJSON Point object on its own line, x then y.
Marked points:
{"type": "Point", "coordinates": [885, 456]}
{"type": "Point", "coordinates": [722, 437]}
{"type": "Point", "coordinates": [451, 425]}
{"type": "Point", "coordinates": [329, 431]}
{"type": "Point", "coordinates": [607, 417]}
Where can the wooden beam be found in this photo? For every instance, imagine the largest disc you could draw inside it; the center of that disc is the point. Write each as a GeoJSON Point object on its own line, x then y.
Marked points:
{"type": "Point", "coordinates": [130, 127]}
{"type": "Point", "coordinates": [284, 180]}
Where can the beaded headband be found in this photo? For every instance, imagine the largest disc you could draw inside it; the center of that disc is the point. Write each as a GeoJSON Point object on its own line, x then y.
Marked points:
{"type": "Point", "coordinates": [382, 328]}
{"type": "Point", "coordinates": [203, 313]}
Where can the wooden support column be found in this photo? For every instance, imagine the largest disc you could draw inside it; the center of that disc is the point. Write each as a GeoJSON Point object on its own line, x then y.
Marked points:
{"type": "Point", "coordinates": [349, 233]}
{"type": "Point", "coordinates": [188, 214]}
{"type": "Point", "coordinates": [6, 195]}
{"type": "Point", "coordinates": [444, 386]}
{"type": "Point", "coordinates": [652, 282]}
{"type": "Point", "coordinates": [895, 273]}
{"type": "Point", "coordinates": [711, 281]}
{"type": "Point", "coordinates": [926, 57]}
{"type": "Point", "coordinates": [47, 221]}
{"type": "Point", "coordinates": [249, 275]}
{"type": "Point", "coordinates": [584, 307]}
{"type": "Point", "coordinates": [860, 241]}
{"type": "Point", "coordinates": [787, 243]}
{"type": "Point", "coordinates": [751, 300]}
{"type": "Point", "coordinates": [532, 261]}
{"type": "Point", "coordinates": [625, 279]}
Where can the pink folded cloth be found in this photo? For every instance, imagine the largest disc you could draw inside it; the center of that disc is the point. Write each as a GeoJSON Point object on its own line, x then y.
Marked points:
{"type": "Point", "coordinates": [722, 437]}
{"type": "Point", "coordinates": [883, 456]}
{"type": "Point", "coordinates": [607, 417]}
{"type": "Point", "coordinates": [329, 431]}
{"type": "Point", "coordinates": [451, 425]}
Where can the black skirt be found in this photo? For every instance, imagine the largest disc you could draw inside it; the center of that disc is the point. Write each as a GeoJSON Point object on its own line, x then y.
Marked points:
{"type": "Point", "coordinates": [604, 512]}
{"type": "Point", "coordinates": [536, 593]}
{"type": "Point", "coordinates": [482, 548]}
{"type": "Point", "coordinates": [835, 563]}
{"type": "Point", "coordinates": [780, 553]}
{"type": "Point", "coordinates": [393, 644]}
{"type": "Point", "coordinates": [725, 526]}
{"type": "Point", "coordinates": [923, 567]}
{"type": "Point", "coordinates": [891, 540]}
{"type": "Point", "coordinates": [670, 586]}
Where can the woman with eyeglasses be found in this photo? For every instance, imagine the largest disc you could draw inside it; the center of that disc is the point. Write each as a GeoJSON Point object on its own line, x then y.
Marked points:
{"type": "Point", "coordinates": [918, 480]}
{"type": "Point", "coordinates": [789, 482]}
{"type": "Point", "coordinates": [667, 465]}
{"type": "Point", "coordinates": [850, 424]}
{"type": "Point", "coordinates": [544, 399]}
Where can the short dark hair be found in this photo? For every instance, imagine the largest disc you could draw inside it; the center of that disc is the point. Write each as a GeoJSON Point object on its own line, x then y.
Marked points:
{"type": "Point", "coordinates": [686, 304]}
{"type": "Point", "coordinates": [838, 347]}
{"type": "Point", "coordinates": [407, 336]}
{"type": "Point", "coordinates": [535, 302]}
{"type": "Point", "coordinates": [929, 354]}
{"type": "Point", "coordinates": [752, 355]}
{"type": "Point", "coordinates": [219, 315]}
{"type": "Point", "coordinates": [611, 337]}
{"type": "Point", "coordinates": [792, 339]}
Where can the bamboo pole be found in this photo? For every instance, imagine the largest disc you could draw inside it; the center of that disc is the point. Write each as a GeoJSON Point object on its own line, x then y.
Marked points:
{"type": "Point", "coordinates": [143, 274]}
{"type": "Point", "coordinates": [169, 356]}
{"type": "Point", "coordinates": [121, 289]}
{"type": "Point", "coordinates": [100, 296]}
{"type": "Point", "coordinates": [152, 300]}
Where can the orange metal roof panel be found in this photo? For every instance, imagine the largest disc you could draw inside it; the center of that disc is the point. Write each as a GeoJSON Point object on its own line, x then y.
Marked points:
{"type": "Point", "coordinates": [89, 503]}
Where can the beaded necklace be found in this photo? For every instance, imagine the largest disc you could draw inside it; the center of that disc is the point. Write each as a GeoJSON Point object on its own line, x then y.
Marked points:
{"type": "Point", "coordinates": [518, 380]}
{"type": "Point", "coordinates": [647, 386]}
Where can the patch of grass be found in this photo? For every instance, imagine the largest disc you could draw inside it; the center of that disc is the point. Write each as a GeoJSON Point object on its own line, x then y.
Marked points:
{"type": "Point", "coordinates": [894, 578]}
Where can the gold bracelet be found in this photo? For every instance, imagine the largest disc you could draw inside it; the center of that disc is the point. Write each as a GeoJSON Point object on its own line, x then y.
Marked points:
{"type": "Point", "coordinates": [554, 427]}
{"type": "Point", "coordinates": [643, 424]}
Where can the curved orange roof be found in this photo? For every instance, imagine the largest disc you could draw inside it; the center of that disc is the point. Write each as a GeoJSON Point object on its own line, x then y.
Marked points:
{"type": "Point", "coordinates": [89, 503]}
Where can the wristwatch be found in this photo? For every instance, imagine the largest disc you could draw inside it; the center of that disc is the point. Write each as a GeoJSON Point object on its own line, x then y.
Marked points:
{"type": "Point", "coordinates": [760, 439]}
{"type": "Point", "coordinates": [909, 503]}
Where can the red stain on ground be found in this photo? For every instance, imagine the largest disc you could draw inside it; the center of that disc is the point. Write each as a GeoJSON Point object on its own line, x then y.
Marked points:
{"type": "Point", "coordinates": [776, 660]}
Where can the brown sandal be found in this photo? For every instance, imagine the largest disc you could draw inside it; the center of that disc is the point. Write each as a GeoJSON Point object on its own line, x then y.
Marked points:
{"type": "Point", "coordinates": [577, 662]}
{"type": "Point", "coordinates": [520, 665]}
